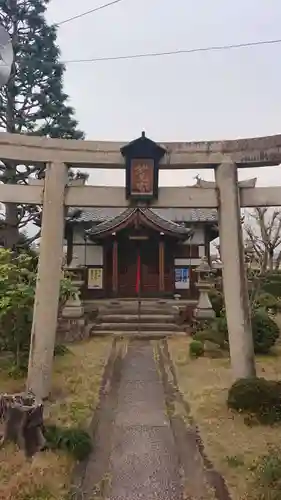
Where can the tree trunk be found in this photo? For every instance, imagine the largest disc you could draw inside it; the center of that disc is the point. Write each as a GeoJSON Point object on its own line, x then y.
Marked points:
{"type": "Point", "coordinates": [23, 422]}
{"type": "Point", "coordinates": [264, 264]}
{"type": "Point", "coordinates": [278, 261]}
{"type": "Point", "coordinates": [270, 259]}
{"type": "Point", "coordinates": [10, 232]}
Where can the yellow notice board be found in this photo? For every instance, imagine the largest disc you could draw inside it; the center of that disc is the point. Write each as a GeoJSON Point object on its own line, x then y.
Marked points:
{"type": "Point", "coordinates": [95, 278]}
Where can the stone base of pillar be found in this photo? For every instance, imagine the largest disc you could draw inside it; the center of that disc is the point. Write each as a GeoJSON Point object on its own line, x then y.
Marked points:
{"type": "Point", "coordinates": [71, 330]}
{"type": "Point", "coordinates": [70, 312]}
{"type": "Point", "coordinates": [204, 313]}
{"type": "Point", "coordinates": [204, 308]}
{"type": "Point", "coordinates": [73, 308]}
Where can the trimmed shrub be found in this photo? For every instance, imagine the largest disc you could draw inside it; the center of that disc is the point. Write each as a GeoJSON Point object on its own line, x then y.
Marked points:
{"type": "Point", "coordinates": [271, 283]}
{"type": "Point", "coordinates": [256, 396]}
{"type": "Point", "coordinates": [200, 325]}
{"type": "Point", "coordinates": [217, 301]}
{"type": "Point", "coordinates": [61, 350]}
{"type": "Point", "coordinates": [212, 335]}
{"type": "Point", "coordinates": [196, 349]}
{"type": "Point", "coordinates": [214, 331]}
{"type": "Point", "coordinates": [221, 325]}
{"type": "Point", "coordinates": [265, 332]}
{"type": "Point", "coordinates": [267, 301]}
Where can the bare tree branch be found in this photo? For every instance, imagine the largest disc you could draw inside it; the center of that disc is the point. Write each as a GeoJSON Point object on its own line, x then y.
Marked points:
{"type": "Point", "coordinates": [262, 228]}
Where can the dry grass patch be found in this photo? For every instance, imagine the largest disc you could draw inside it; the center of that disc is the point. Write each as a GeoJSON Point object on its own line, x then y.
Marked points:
{"type": "Point", "coordinates": [77, 377]}
{"type": "Point", "coordinates": [230, 444]}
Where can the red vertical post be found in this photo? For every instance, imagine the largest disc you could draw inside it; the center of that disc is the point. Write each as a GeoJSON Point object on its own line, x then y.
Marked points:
{"type": "Point", "coordinates": [138, 285]}
{"type": "Point", "coordinates": [115, 267]}
{"type": "Point", "coordinates": [161, 266]}
{"type": "Point", "coordinates": [138, 276]}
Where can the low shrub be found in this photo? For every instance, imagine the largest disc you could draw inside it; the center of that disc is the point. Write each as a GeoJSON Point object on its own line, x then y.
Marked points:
{"type": "Point", "coordinates": [235, 461]}
{"type": "Point", "coordinates": [272, 283]}
{"type": "Point", "coordinates": [265, 332]}
{"type": "Point", "coordinates": [61, 350]}
{"type": "Point", "coordinates": [73, 440]}
{"type": "Point", "coordinates": [17, 292]}
{"type": "Point", "coordinates": [212, 335]}
{"type": "Point", "coordinates": [221, 325]}
{"type": "Point", "coordinates": [214, 331]}
{"type": "Point", "coordinates": [200, 325]}
{"type": "Point", "coordinates": [258, 397]}
{"type": "Point", "coordinates": [196, 349]}
{"type": "Point", "coordinates": [268, 302]}
{"type": "Point", "coordinates": [217, 301]}
{"type": "Point", "coordinates": [267, 476]}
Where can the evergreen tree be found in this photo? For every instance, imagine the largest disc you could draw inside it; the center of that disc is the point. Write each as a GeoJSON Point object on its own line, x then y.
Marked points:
{"type": "Point", "coordinates": [33, 101]}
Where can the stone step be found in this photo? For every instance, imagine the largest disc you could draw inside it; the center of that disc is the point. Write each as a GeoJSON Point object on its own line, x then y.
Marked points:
{"type": "Point", "coordinates": [134, 310]}
{"type": "Point", "coordinates": [136, 334]}
{"type": "Point", "coordinates": [134, 318]}
{"type": "Point", "coordinates": [143, 301]}
{"type": "Point", "coordinates": [156, 327]}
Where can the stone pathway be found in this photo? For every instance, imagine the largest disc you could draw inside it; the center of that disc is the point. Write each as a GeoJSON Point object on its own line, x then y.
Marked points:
{"type": "Point", "coordinates": [140, 452]}
{"type": "Point", "coordinates": [143, 462]}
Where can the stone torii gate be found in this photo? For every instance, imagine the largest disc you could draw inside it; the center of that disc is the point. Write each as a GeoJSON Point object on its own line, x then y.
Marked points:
{"type": "Point", "coordinates": [225, 157]}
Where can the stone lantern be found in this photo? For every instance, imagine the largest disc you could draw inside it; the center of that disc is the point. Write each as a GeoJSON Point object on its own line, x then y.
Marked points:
{"type": "Point", "coordinates": [204, 308]}
{"type": "Point", "coordinates": [73, 307]}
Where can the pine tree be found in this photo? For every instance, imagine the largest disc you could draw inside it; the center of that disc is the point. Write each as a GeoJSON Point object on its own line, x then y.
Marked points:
{"type": "Point", "coordinates": [33, 102]}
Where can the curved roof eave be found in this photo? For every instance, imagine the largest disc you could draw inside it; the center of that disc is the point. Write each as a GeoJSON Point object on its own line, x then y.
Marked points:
{"type": "Point", "coordinates": [149, 217]}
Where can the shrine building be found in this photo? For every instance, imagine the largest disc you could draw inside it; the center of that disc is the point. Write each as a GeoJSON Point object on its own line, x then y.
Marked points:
{"type": "Point", "coordinates": [139, 251]}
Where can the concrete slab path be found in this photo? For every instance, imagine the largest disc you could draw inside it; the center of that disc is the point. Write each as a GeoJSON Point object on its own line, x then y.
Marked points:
{"type": "Point", "coordinates": [143, 462]}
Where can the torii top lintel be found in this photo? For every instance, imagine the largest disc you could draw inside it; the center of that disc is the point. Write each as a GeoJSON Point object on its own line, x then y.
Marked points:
{"type": "Point", "coordinates": [251, 152]}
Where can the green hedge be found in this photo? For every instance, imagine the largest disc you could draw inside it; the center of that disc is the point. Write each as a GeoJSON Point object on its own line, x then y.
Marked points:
{"type": "Point", "coordinates": [265, 332]}
{"type": "Point", "coordinates": [258, 397]}
{"type": "Point", "coordinates": [272, 283]}
{"type": "Point", "coordinates": [196, 349]}
{"type": "Point", "coordinates": [75, 441]}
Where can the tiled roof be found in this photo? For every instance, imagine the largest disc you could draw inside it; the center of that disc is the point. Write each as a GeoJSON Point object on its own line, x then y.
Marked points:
{"type": "Point", "coordinates": [124, 216]}
{"type": "Point", "coordinates": [178, 215]}
{"type": "Point", "coordinates": [111, 222]}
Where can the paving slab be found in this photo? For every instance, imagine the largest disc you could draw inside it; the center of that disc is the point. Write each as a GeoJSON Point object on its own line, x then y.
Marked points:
{"type": "Point", "coordinates": [144, 464]}
{"type": "Point", "coordinates": [147, 409]}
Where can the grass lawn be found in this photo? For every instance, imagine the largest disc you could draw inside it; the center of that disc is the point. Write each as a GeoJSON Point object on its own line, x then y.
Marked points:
{"type": "Point", "coordinates": [231, 445]}
{"type": "Point", "coordinates": [76, 382]}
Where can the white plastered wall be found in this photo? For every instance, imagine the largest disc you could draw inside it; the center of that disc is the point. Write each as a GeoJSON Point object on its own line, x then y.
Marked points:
{"type": "Point", "coordinates": [197, 239]}
{"type": "Point", "coordinates": [93, 256]}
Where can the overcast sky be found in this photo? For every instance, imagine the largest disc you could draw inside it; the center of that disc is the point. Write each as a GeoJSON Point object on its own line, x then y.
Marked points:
{"type": "Point", "coordinates": [189, 97]}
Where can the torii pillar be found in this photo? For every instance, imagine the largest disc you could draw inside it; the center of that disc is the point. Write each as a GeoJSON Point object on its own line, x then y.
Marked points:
{"type": "Point", "coordinates": [235, 285]}
{"type": "Point", "coordinates": [45, 314]}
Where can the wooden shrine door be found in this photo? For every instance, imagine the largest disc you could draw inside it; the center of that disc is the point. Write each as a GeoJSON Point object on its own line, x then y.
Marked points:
{"type": "Point", "coordinates": [128, 251]}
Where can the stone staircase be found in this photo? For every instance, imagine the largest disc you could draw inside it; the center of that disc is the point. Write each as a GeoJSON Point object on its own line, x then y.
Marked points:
{"type": "Point", "coordinates": [157, 319]}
